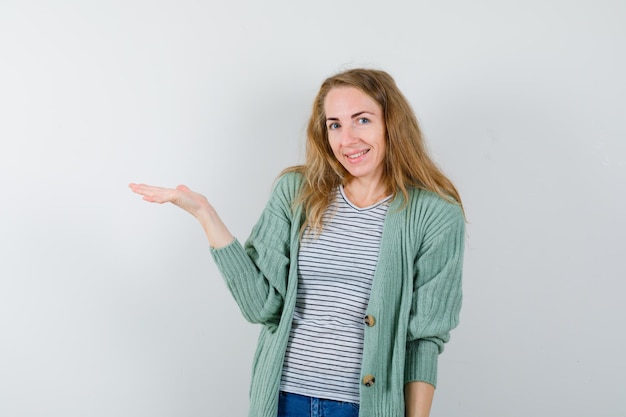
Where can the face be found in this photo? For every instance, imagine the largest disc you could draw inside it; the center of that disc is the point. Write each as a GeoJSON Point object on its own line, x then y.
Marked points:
{"type": "Point", "coordinates": [356, 132]}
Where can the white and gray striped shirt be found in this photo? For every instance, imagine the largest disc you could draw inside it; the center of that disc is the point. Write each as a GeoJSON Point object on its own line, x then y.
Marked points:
{"type": "Point", "coordinates": [335, 271]}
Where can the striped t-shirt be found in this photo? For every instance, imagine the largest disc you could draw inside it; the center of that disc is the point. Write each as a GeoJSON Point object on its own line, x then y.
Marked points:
{"type": "Point", "coordinates": [335, 271]}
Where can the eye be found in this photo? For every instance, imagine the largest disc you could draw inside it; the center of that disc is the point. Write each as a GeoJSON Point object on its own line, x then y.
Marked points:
{"type": "Point", "coordinates": [363, 120]}
{"type": "Point", "coordinates": [333, 126]}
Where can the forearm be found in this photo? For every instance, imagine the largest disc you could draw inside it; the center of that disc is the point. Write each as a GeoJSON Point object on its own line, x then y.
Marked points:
{"type": "Point", "coordinates": [418, 398]}
{"type": "Point", "coordinates": [216, 231]}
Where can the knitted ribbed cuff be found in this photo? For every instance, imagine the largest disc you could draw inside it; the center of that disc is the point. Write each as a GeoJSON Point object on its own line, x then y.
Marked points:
{"type": "Point", "coordinates": [421, 362]}
{"type": "Point", "coordinates": [231, 260]}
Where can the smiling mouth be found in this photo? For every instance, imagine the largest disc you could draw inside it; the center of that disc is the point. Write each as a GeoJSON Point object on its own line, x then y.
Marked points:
{"type": "Point", "coordinates": [356, 155]}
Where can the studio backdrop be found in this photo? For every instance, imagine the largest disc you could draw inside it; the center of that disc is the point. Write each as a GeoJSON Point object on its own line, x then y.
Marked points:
{"type": "Point", "coordinates": [110, 306]}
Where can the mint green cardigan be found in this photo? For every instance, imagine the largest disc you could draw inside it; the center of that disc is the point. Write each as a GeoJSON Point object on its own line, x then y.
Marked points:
{"type": "Point", "coordinates": [415, 297]}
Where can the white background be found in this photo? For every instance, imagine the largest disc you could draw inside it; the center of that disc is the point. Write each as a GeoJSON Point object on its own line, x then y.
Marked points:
{"type": "Point", "coordinates": [110, 306]}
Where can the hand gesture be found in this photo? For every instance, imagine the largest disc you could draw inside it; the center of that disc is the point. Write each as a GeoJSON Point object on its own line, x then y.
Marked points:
{"type": "Point", "coordinates": [180, 196]}
{"type": "Point", "coordinates": [193, 203]}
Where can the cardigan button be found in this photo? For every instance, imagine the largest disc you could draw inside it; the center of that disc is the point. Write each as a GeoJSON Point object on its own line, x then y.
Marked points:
{"type": "Point", "coordinates": [369, 320]}
{"type": "Point", "coordinates": [368, 380]}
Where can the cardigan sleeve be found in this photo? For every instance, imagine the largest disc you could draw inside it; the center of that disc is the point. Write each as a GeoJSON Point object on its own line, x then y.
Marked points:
{"type": "Point", "coordinates": [256, 272]}
{"type": "Point", "coordinates": [436, 294]}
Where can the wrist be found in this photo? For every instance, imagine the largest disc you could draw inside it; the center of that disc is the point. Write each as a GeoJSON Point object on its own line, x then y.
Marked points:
{"type": "Point", "coordinates": [215, 230]}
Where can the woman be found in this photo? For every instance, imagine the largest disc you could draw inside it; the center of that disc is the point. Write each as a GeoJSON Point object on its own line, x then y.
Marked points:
{"type": "Point", "coordinates": [354, 268]}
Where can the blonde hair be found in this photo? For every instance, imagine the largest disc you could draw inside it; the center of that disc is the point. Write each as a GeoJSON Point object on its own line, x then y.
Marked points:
{"type": "Point", "coordinates": [406, 163]}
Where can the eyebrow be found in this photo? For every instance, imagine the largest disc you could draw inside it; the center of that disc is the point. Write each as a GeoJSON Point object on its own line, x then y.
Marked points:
{"type": "Point", "coordinates": [353, 116]}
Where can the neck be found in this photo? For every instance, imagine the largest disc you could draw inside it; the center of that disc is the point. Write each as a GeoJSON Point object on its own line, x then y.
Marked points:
{"type": "Point", "coordinates": [365, 194]}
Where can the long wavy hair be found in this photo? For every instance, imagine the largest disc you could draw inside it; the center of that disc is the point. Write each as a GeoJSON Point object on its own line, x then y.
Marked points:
{"type": "Point", "coordinates": [406, 163]}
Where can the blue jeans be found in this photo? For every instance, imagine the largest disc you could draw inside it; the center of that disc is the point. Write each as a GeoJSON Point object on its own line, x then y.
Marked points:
{"type": "Point", "coordinates": [296, 405]}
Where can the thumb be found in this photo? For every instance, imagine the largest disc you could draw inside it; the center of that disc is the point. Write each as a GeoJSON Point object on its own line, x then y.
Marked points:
{"type": "Point", "coordinates": [183, 188]}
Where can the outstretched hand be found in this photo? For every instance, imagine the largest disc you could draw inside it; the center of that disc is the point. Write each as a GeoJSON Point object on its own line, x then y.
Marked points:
{"type": "Point", "coordinates": [180, 196]}
{"type": "Point", "coordinates": [192, 202]}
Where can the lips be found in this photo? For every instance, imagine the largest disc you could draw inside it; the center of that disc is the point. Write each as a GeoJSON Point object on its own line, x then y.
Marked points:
{"type": "Point", "coordinates": [356, 155]}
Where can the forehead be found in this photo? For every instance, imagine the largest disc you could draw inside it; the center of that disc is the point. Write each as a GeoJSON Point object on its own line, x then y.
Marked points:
{"type": "Point", "coordinates": [349, 100]}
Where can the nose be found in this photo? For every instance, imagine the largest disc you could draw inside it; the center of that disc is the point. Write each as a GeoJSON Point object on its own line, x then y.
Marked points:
{"type": "Point", "coordinates": [347, 135]}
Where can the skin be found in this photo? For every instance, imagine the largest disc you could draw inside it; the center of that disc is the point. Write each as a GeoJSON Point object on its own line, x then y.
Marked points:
{"type": "Point", "coordinates": [194, 203]}
{"type": "Point", "coordinates": [418, 399]}
{"type": "Point", "coordinates": [355, 127]}
{"type": "Point", "coordinates": [356, 134]}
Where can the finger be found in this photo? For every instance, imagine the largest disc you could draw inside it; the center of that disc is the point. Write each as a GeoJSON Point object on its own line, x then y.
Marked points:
{"type": "Point", "coordinates": [156, 199]}
{"type": "Point", "coordinates": [162, 196]}
{"type": "Point", "coordinates": [183, 188]}
{"type": "Point", "coordinates": [145, 189]}
{"type": "Point", "coordinates": [154, 194]}
{"type": "Point", "coordinates": [138, 188]}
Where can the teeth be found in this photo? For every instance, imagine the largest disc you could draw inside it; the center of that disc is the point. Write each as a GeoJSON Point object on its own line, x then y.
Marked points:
{"type": "Point", "coordinates": [356, 155]}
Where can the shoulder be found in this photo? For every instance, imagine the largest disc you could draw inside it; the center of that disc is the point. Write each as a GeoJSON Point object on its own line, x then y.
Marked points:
{"type": "Point", "coordinates": [290, 178]}
{"type": "Point", "coordinates": [288, 184]}
{"type": "Point", "coordinates": [284, 193]}
{"type": "Point", "coordinates": [432, 213]}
